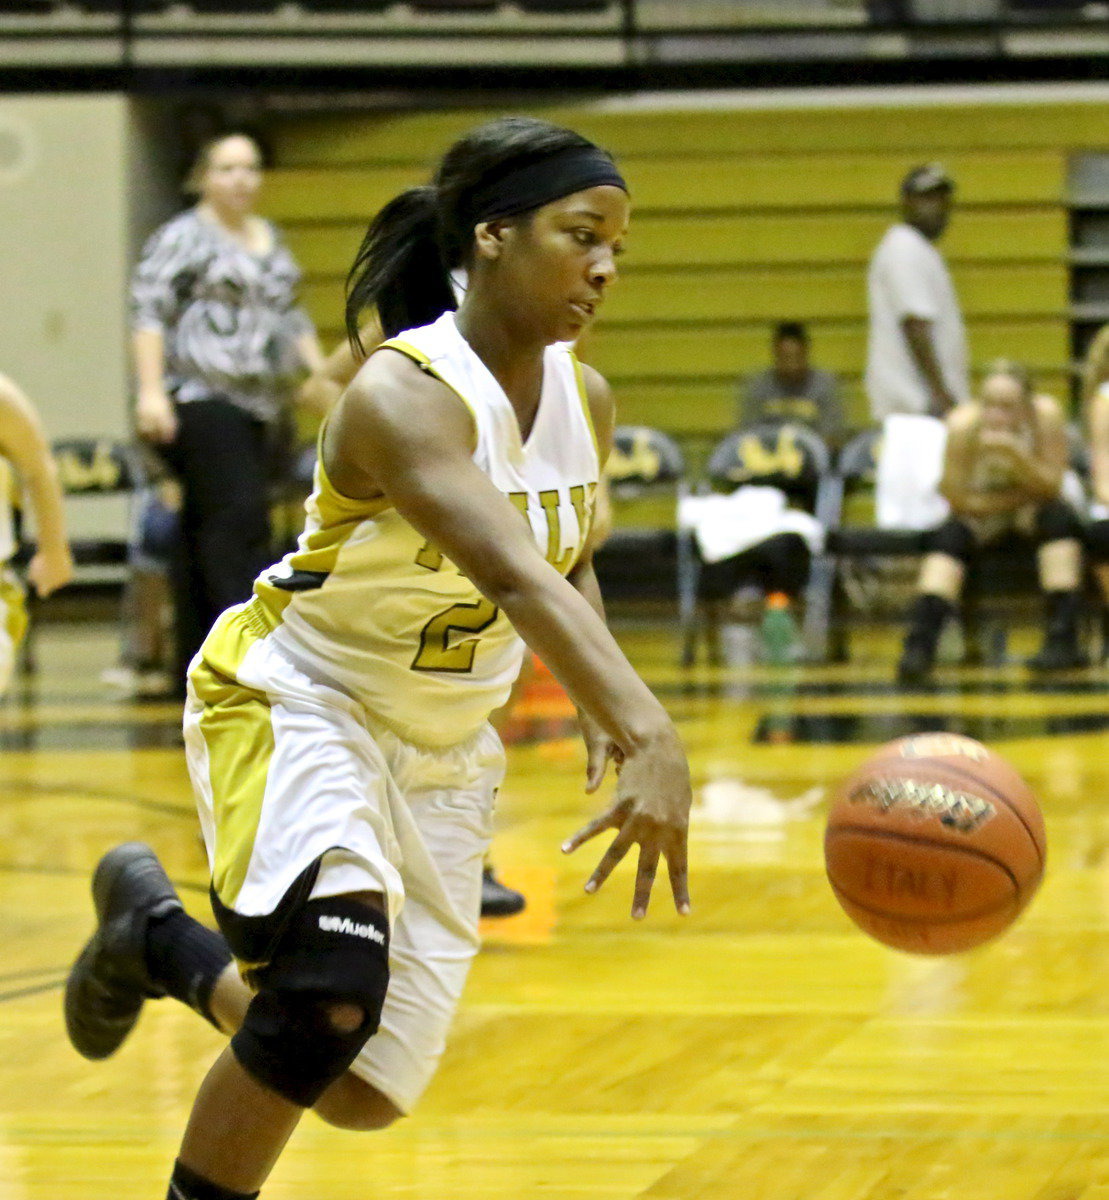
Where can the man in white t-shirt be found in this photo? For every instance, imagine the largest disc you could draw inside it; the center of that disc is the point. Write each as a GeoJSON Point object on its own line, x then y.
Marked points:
{"type": "Point", "coordinates": [917, 364]}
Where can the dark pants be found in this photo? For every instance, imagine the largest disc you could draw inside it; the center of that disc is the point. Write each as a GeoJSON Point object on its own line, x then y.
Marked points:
{"type": "Point", "coordinates": [220, 457]}
{"type": "Point", "coordinates": [779, 564]}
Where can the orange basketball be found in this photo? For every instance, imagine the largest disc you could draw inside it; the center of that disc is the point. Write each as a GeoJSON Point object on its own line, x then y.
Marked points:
{"type": "Point", "coordinates": [935, 844]}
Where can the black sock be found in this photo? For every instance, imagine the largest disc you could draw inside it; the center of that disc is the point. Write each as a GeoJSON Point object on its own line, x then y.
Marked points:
{"type": "Point", "coordinates": [186, 958]}
{"type": "Point", "coordinates": [1062, 612]}
{"type": "Point", "coordinates": [927, 616]}
{"type": "Point", "coordinates": [188, 1185]}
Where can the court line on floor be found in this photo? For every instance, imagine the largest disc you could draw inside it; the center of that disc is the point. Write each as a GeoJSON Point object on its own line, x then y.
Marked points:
{"type": "Point", "coordinates": [79, 791]}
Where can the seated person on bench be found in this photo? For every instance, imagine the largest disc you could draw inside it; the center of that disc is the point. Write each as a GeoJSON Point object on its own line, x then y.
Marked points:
{"type": "Point", "coordinates": [1004, 464]}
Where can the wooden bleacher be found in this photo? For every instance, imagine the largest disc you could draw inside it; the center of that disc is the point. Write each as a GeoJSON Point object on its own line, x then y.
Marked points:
{"type": "Point", "coordinates": [743, 217]}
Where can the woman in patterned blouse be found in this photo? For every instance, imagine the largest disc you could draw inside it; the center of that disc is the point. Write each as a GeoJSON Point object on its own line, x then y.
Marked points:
{"type": "Point", "coordinates": [220, 345]}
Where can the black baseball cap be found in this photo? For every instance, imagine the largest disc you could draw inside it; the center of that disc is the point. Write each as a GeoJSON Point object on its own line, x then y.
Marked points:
{"type": "Point", "coordinates": [931, 177]}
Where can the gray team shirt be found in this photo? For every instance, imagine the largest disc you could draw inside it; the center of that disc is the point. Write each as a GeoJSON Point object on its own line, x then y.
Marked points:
{"type": "Point", "coordinates": [229, 317]}
{"type": "Point", "coordinates": [815, 402]}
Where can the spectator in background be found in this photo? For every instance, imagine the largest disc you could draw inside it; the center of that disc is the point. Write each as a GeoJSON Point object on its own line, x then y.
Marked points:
{"type": "Point", "coordinates": [1004, 464]}
{"type": "Point", "coordinates": [219, 344]}
{"type": "Point", "coordinates": [1095, 398]}
{"type": "Point", "coordinates": [917, 363]}
{"type": "Point", "coordinates": [792, 389]}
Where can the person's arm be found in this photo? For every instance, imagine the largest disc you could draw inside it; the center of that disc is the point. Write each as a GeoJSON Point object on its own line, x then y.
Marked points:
{"type": "Point", "coordinates": [918, 335]}
{"type": "Point", "coordinates": [1099, 444]}
{"type": "Point", "coordinates": [156, 299]}
{"type": "Point", "coordinates": [23, 443]}
{"type": "Point", "coordinates": [401, 433]}
{"type": "Point", "coordinates": [958, 461]}
{"type": "Point", "coordinates": [325, 385]}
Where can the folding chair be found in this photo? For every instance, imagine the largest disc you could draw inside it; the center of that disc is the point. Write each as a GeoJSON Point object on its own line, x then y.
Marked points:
{"type": "Point", "coordinates": [644, 558]}
{"type": "Point", "coordinates": [779, 454]}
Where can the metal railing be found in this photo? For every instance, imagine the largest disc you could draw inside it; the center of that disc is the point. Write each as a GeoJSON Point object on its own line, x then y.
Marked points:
{"type": "Point", "coordinates": [536, 33]}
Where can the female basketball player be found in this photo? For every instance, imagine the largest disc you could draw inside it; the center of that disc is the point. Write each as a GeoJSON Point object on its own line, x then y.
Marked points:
{"type": "Point", "coordinates": [24, 447]}
{"type": "Point", "coordinates": [1003, 472]}
{"type": "Point", "coordinates": [337, 727]}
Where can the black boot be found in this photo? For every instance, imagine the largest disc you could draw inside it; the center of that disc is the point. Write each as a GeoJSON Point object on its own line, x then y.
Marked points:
{"type": "Point", "coordinates": [1060, 651]}
{"type": "Point", "coordinates": [927, 617]}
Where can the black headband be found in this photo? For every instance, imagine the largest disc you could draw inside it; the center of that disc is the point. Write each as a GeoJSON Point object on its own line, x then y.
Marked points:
{"type": "Point", "coordinates": [537, 183]}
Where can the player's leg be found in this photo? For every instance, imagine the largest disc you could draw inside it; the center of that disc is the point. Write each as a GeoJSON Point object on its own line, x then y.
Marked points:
{"type": "Point", "coordinates": [318, 1001]}
{"type": "Point", "coordinates": [939, 588]}
{"type": "Point", "coordinates": [147, 946]}
{"type": "Point", "coordinates": [1058, 534]}
{"type": "Point", "coordinates": [435, 937]}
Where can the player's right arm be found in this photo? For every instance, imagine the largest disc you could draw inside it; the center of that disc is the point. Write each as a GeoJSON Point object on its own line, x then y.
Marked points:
{"type": "Point", "coordinates": [400, 433]}
{"type": "Point", "coordinates": [23, 443]}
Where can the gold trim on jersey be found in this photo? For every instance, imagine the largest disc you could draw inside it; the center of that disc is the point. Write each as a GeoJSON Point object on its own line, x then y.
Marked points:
{"type": "Point", "coordinates": [424, 363]}
{"type": "Point", "coordinates": [583, 395]}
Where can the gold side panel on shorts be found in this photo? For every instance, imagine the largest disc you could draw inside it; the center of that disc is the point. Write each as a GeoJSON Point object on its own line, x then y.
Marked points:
{"type": "Point", "coordinates": [239, 737]}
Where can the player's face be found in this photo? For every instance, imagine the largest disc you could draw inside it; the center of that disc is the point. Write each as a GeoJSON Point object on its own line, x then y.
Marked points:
{"type": "Point", "coordinates": [1004, 405]}
{"type": "Point", "coordinates": [232, 175]}
{"type": "Point", "coordinates": [563, 259]}
{"type": "Point", "coordinates": [791, 360]}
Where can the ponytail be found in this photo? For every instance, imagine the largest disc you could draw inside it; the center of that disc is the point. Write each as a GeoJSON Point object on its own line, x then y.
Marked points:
{"type": "Point", "coordinates": [399, 268]}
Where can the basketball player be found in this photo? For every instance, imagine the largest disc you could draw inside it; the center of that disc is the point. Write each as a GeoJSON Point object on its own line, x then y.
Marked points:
{"type": "Point", "coordinates": [1004, 463]}
{"type": "Point", "coordinates": [336, 727]}
{"type": "Point", "coordinates": [24, 447]}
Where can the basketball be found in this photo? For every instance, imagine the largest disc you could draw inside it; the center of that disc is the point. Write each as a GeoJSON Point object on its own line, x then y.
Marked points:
{"type": "Point", "coordinates": [935, 844]}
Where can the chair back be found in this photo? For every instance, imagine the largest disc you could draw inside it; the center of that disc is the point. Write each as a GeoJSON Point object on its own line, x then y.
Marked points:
{"type": "Point", "coordinates": [643, 458]}
{"type": "Point", "coordinates": [98, 466]}
{"type": "Point", "coordinates": [777, 454]}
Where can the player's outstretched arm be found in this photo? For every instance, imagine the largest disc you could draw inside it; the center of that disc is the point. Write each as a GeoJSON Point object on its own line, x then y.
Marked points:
{"type": "Point", "coordinates": [23, 443]}
{"type": "Point", "coordinates": [400, 433]}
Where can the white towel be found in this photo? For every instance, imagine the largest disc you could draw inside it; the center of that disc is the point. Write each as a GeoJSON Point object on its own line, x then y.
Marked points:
{"type": "Point", "coordinates": [910, 466]}
{"type": "Point", "coordinates": [728, 525]}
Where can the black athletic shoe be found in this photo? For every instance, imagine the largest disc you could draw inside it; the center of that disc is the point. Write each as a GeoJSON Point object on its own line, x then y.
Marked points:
{"type": "Point", "coordinates": [109, 981]}
{"type": "Point", "coordinates": [498, 900]}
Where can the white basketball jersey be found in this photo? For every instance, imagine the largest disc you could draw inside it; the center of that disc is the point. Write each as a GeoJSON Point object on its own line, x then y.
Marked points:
{"type": "Point", "coordinates": [365, 602]}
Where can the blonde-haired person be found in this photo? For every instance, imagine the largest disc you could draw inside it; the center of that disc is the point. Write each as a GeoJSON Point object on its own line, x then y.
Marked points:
{"type": "Point", "coordinates": [23, 446]}
{"type": "Point", "coordinates": [1004, 464]}
{"type": "Point", "coordinates": [220, 346]}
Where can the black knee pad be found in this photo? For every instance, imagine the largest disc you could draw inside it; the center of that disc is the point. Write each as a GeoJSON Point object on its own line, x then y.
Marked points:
{"type": "Point", "coordinates": [955, 539]}
{"type": "Point", "coordinates": [1057, 521]}
{"type": "Point", "coordinates": [1097, 541]}
{"type": "Point", "coordinates": [333, 952]}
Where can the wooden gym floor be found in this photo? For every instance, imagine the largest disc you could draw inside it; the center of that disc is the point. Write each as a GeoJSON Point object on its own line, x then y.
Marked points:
{"type": "Point", "coordinates": [760, 1050]}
